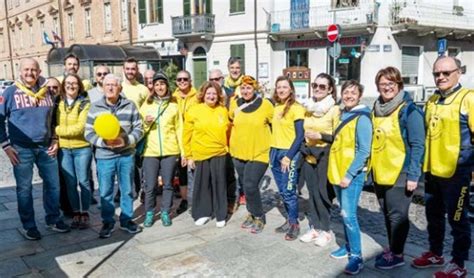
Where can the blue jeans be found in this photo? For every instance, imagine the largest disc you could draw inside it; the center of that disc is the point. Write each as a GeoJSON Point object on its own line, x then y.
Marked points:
{"type": "Point", "coordinates": [287, 182]}
{"type": "Point", "coordinates": [48, 171]}
{"type": "Point", "coordinates": [107, 169]}
{"type": "Point", "coordinates": [348, 199]}
{"type": "Point", "coordinates": [75, 167]}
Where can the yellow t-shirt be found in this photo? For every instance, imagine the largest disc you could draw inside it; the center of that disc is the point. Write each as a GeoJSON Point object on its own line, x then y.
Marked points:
{"type": "Point", "coordinates": [135, 92]}
{"type": "Point", "coordinates": [185, 103]}
{"type": "Point", "coordinates": [251, 132]}
{"type": "Point", "coordinates": [283, 129]}
{"type": "Point", "coordinates": [205, 132]}
{"type": "Point", "coordinates": [326, 124]}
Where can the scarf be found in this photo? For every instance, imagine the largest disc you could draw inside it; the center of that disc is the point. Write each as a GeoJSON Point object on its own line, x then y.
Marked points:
{"type": "Point", "coordinates": [43, 90]}
{"type": "Point", "coordinates": [319, 108]}
{"type": "Point", "coordinates": [230, 83]}
{"type": "Point", "coordinates": [385, 109]}
{"type": "Point", "coordinates": [246, 104]}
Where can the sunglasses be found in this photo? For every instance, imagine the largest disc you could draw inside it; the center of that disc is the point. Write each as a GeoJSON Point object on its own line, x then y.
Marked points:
{"type": "Point", "coordinates": [216, 79]}
{"type": "Point", "coordinates": [182, 79]}
{"type": "Point", "coordinates": [52, 87]}
{"type": "Point", "coordinates": [320, 86]}
{"type": "Point", "coordinates": [444, 73]}
{"type": "Point", "coordinates": [102, 73]}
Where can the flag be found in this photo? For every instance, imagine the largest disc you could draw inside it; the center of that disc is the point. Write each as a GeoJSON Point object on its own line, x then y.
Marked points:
{"type": "Point", "coordinates": [56, 37]}
{"type": "Point", "coordinates": [46, 39]}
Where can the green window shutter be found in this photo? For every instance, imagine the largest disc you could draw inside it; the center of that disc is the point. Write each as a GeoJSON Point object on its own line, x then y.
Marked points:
{"type": "Point", "coordinates": [208, 6]}
{"type": "Point", "coordinates": [238, 50]}
{"type": "Point", "coordinates": [233, 6]}
{"type": "Point", "coordinates": [186, 7]}
{"type": "Point", "coordinates": [241, 6]}
{"type": "Point", "coordinates": [142, 11]}
{"type": "Point", "coordinates": [160, 10]}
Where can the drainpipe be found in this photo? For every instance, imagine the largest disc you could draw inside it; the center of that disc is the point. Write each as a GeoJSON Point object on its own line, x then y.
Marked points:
{"type": "Point", "coordinates": [255, 36]}
{"type": "Point", "coordinates": [129, 15]}
{"type": "Point", "coordinates": [61, 22]}
{"type": "Point", "coordinates": [10, 50]}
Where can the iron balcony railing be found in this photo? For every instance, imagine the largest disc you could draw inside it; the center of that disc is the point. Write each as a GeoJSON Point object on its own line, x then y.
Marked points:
{"type": "Point", "coordinates": [319, 17]}
{"type": "Point", "coordinates": [431, 15]}
{"type": "Point", "coordinates": [193, 25]}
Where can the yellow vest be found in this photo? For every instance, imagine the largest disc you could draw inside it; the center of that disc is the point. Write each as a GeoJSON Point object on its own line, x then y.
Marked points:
{"type": "Point", "coordinates": [388, 149]}
{"type": "Point", "coordinates": [342, 152]}
{"type": "Point", "coordinates": [71, 122]}
{"type": "Point", "coordinates": [443, 136]}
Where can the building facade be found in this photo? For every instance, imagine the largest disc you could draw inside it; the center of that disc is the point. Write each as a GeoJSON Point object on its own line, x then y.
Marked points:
{"type": "Point", "coordinates": [25, 24]}
{"type": "Point", "coordinates": [271, 35]}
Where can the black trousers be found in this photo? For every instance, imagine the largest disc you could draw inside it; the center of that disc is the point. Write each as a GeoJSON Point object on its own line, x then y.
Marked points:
{"type": "Point", "coordinates": [234, 187]}
{"type": "Point", "coordinates": [210, 188]}
{"type": "Point", "coordinates": [152, 166]}
{"type": "Point", "coordinates": [249, 174]}
{"type": "Point", "coordinates": [449, 196]}
{"type": "Point", "coordinates": [320, 191]}
{"type": "Point", "coordinates": [395, 202]}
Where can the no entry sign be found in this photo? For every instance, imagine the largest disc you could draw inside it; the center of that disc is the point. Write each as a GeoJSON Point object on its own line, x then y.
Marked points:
{"type": "Point", "coordinates": [333, 32]}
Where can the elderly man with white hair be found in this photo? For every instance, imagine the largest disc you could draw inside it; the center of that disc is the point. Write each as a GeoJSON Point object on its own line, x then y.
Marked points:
{"type": "Point", "coordinates": [115, 157]}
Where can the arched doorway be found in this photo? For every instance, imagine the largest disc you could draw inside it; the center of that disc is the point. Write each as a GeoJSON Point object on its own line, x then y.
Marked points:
{"type": "Point", "coordinates": [199, 66]}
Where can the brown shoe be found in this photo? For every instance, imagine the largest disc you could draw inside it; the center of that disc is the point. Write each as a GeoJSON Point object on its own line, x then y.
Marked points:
{"type": "Point", "coordinates": [85, 221]}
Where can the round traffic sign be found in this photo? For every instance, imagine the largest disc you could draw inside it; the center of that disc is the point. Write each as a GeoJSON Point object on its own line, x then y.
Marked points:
{"type": "Point", "coordinates": [333, 32]}
{"type": "Point", "coordinates": [335, 50]}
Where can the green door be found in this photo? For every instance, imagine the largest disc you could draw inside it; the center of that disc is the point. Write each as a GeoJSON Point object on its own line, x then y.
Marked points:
{"type": "Point", "coordinates": [200, 72]}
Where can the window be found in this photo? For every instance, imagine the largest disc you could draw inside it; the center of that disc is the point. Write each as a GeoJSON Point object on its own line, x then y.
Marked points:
{"type": "Point", "coordinates": [20, 35]}
{"type": "Point", "coordinates": [347, 64]}
{"type": "Point", "coordinates": [107, 18]}
{"type": "Point", "coordinates": [186, 7]}
{"type": "Point", "coordinates": [124, 14]}
{"type": "Point", "coordinates": [42, 30]}
{"type": "Point", "coordinates": [87, 14]}
{"type": "Point", "coordinates": [299, 14]}
{"type": "Point", "coordinates": [70, 25]}
{"type": "Point", "coordinates": [5, 71]}
{"type": "Point", "coordinates": [55, 25]}
{"type": "Point", "coordinates": [297, 58]}
{"type": "Point", "coordinates": [2, 43]}
{"type": "Point", "coordinates": [32, 35]}
{"type": "Point", "coordinates": [238, 50]}
{"type": "Point", "coordinates": [237, 6]}
{"type": "Point", "coordinates": [17, 3]}
{"type": "Point", "coordinates": [453, 52]}
{"type": "Point", "coordinates": [10, 4]}
{"type": "Point", "coordinates": [13, 42]}
{"type": "Point", "coordinates": [345, 3]}
{"type": "Point", "coordinates": [410, 64]}
{"type": "Point", "coordinates": [150, 11]}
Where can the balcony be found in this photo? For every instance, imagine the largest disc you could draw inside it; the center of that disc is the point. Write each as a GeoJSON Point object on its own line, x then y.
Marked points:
{"type": "Point", "coordinates": [193, 26]}
{"type": "Point", "coordinates": [353, 20]}
{"type": "Point", "coordinates": [427, 18]}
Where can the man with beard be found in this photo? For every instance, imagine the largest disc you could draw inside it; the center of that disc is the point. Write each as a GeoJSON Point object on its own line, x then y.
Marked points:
{"type": "Point", "coordinates": [233, 81]}
{"type": "Point", "coordinates": [72, 65]}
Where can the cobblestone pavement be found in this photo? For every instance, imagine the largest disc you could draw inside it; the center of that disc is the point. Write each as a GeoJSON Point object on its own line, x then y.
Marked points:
{"type": "Point", "coordinates": [187, 250]}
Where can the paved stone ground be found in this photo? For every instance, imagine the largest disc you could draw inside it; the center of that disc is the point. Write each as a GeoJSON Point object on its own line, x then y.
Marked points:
{"type": "Point", "coordinates": [187, 250]}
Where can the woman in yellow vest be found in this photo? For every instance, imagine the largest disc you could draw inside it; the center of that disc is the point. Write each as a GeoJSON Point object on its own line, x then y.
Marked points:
{"type": "Point", "coordinates": [396, 158]}
{"type": "Point", "coordinates": [205, 138]}
{"type": "Point", "coordinates": [287, 137]}
{"type": "Point", "coordinates": [321, 118]}
{"type": "Point", "coordinates": [347, 169]}
{"type": "Point", "coordinates": [163, 133]}
{"type": "Point", "coordinates": [249, 146]}
{"type": "Point", "coordinates": [75, 153]}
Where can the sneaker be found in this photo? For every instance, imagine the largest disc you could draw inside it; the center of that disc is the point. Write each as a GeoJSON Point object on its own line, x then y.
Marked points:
{"type": "Point", "coordinates": [248, 223]}
{"type": "Point", "coordinates": [201, 221]}
{"type": "Point", "coordinates": [309, 236]}
{"type": "Point", "coordinates": [428, 259]}
{"type": "Point", "coordinates": [220, 224]}
{"type": "Point", "coordinates": [354, 266]}
{"type": "Point", "coordinates": [452, 270]}
{"type": "Point", "coordinates": [183, 206]}
{"type": "Point", "coordinates": [293, 232]}
{"type": "Point", "coordinates": [283, 228]}
{"type": "Point", "coordinates": [381, 254]}
{"type": "Point", "coordinates": [85, 221]}
{"type": "Point", "coordinates": [31, 234]}
{"type": "Point", "coordinates": [59, 227]}
{"type": "Point", "coordinates": [258, 225]}
{"type": "Point", "coordinates": [242, 200]}
{"type": "Point", "coordinates": [106, 230]}
{"type": "Point", "coordinates": [323, 239]}
{"type": "Point", "coordinates": [165, 219]}
{"type": "Point", "coordinates": [149, 219]}
{"type": "Point", "coordinates": [76, 221]}
{"type": "Point", "coordinates": [130, 227]}
{"type": "Point", "coordinates": [340, 253]}
{"type": "Point", "coordinates": [389, 261]}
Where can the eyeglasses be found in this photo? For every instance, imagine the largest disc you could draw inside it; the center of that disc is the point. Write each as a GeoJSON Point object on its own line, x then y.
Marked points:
{"type": "Point", "coordinates": [72, 83]}
{"type": "Point", "coordinates": [320, 86]}
{"type": "Point", "coordinates": [182, 79]}
{"type": "Point", "coordinates": [217, 79]}
{"type": "Point", "coordinates": [52, 87]}
{"type": "Point", "coordinates": [387, 85]}
{"type": "Point", "coordinates": [102, 73]}
{"type": "Point", "coordinates": [444, 73]}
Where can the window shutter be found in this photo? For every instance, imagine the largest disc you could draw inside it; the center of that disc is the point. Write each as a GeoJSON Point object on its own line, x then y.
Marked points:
{"type": "Point", "coordinates": [410, 60]}
{"type": "Point", "coordinates": [142, 11]}
{"type": "Point", "coordinates": [186, 7]}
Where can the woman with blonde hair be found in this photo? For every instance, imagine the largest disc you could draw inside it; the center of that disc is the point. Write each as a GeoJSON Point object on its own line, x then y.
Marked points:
{"type": "Point", "coordinates": [205, 138]}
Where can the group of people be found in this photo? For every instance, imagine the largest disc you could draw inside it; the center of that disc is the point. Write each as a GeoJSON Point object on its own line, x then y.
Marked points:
{"type": "Point", "coordinates": [218, 142]}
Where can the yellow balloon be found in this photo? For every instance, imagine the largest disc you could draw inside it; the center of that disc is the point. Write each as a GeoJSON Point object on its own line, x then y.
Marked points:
{"type": "Point", "coordinates": [107, 126]}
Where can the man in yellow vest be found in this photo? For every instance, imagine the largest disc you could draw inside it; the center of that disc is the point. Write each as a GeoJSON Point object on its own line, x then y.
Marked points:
{"type": "Point", "coordinates": [449, 159]}
{"type": "Point", "coordinates": [71, 65]}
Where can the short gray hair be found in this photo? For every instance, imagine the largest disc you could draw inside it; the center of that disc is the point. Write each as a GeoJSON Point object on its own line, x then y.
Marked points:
{"type": "Point", "coordinates": [456, 61]}
{"type": "Point", "coordinates": [113, 77]}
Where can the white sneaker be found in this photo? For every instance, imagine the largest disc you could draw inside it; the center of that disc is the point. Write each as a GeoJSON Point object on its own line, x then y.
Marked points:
{"type": "Point", "coordinates": [310, 235]}
{"type": "Point", "coordinates": [323, 239]}
{"type": "Point", "coordinates": [220, 224]}
{"type": "Point", "coordinates": [201, 221]}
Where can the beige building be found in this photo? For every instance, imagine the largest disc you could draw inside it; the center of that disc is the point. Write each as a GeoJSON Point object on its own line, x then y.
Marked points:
{"type": "Point", "coordinates": [23, 23]}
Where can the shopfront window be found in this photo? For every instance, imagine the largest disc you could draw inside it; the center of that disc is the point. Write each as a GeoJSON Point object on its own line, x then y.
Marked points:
{"type": "Point", "coordinates": [347, 64]}
{"type": "Point", "coordinates": [297, 58]}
